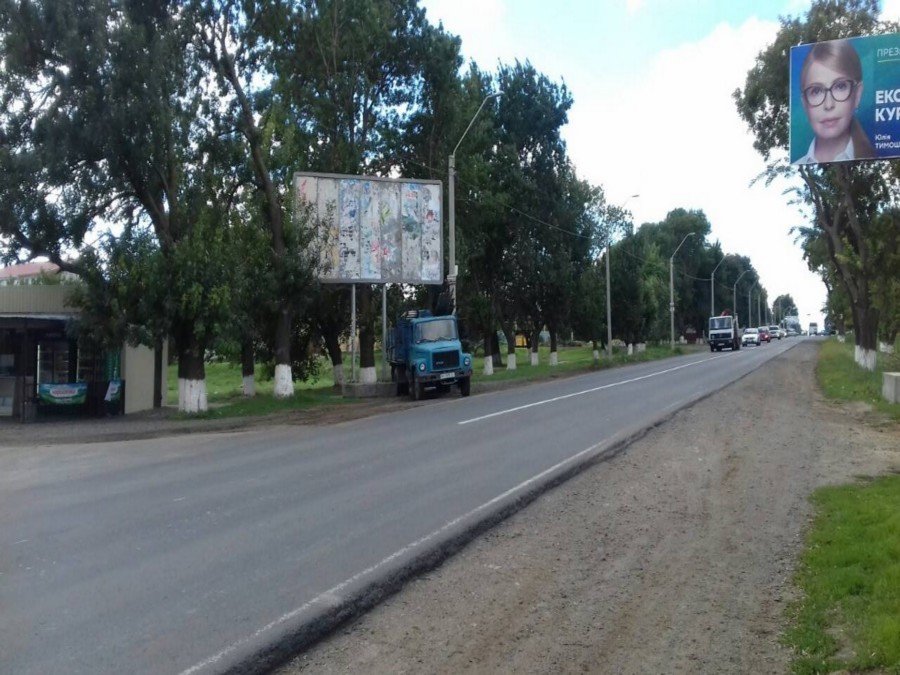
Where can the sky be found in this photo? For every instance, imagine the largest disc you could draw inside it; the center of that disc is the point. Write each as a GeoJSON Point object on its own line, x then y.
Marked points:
{"type": "Point", "coordinates": [653, 113]}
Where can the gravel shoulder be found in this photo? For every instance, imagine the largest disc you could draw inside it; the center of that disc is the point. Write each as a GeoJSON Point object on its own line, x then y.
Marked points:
{"type": "Point", "coordinates": [674, 556]}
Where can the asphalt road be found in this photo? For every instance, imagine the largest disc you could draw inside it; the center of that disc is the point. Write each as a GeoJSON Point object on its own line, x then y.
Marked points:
{"type": "Point", "coordinates": [191, 554]}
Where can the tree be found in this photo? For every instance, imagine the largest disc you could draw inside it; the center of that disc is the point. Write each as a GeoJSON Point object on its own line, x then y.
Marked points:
{"type": "Point", "coordinates": [229, 39]}
{"type": "Point", "coordinates": [783, 306]}
{"type": "Point", "coordinates": [106, 121]}
{"type": "Point", "coordinates": [843, 199]}
{"type": "Point", "coordinates": [347, 75]}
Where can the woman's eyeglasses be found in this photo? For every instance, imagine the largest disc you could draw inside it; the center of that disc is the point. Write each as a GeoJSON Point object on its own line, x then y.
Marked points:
{"type": "Point", "coordinates": [840, 91]}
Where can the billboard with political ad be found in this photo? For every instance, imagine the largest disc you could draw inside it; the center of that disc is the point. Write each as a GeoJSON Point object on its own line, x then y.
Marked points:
{"type": "Point", "coordinates": [375, 230]}
{"type": "Point", "coordinates": [845, 100]}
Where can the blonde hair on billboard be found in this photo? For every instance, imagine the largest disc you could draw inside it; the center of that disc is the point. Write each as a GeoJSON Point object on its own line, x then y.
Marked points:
{"type": "Point", "coordinates": [840, 56]}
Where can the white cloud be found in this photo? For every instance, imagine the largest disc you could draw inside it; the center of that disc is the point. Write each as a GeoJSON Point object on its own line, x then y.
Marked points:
{"type": "Point", "coordinates": [633, 5]}
{"type": "Point", "coordinates": [482, 25]}
{"type": "Point", "coordinates": [673, 135]}
{"type": "Point", "coordinates": [890, 10]}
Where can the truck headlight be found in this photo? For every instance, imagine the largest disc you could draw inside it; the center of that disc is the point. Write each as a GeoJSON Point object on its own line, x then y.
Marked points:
{"type": "Point", "coordinates": [467, 361]}
{"type": "Point", "coordinates": [422, 367]}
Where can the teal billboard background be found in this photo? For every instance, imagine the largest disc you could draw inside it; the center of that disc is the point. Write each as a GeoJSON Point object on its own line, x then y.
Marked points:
{"type": "Point", "coordinates": [879, 118]}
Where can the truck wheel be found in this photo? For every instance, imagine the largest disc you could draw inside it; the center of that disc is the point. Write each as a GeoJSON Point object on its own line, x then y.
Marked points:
{"type": "Point", "coordinates": [712, 348]}
{"type": "Point", "coordinates": [415, 388]}
{"type": "Point", "coordinates": [465, 384]}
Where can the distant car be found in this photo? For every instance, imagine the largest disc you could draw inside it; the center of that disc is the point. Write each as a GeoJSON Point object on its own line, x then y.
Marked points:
{"type": "Point", "coordinates": [750, 337]}
{"type": "Point", "coordinates": [764, 335]}
{"type": "Point", "coordinates": [775, 332]}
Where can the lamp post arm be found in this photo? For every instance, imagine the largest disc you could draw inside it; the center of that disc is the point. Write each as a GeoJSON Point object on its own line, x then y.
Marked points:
{"type": "Point", "coordinates": [475, 117]}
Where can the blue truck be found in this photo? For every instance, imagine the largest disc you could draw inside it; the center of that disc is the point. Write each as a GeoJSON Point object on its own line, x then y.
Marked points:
{"type": "Point", "coordinates": [425, 353]}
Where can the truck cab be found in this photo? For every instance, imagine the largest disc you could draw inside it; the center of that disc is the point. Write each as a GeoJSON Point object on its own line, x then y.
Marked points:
{"type": "Point", "coordinates": [425, 353]}
{"type": "Point", "coordinates": [724, 332]}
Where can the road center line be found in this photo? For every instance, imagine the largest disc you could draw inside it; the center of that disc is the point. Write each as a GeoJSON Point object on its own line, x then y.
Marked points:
{"type": "Point", "coordinates": [333, 593]}
{"type": "Point", "coordinates": [591, 390]}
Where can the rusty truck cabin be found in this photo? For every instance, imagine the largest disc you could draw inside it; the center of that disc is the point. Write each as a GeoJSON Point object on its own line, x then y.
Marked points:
{"type": "Point", "coordinates": [45, 372]}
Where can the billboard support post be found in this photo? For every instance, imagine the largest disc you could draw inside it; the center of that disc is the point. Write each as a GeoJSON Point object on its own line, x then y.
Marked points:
{"type": "Point", "coordinates": [384, 332]}
{"type": "Point", "coordinates": [353, 332]}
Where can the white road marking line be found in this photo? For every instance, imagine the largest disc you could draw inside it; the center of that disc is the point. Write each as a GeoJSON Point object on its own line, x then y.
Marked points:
{"type": "Point", "coordinates": [589, 391]}
{"type": "Point", "coordinates": [332, 595]}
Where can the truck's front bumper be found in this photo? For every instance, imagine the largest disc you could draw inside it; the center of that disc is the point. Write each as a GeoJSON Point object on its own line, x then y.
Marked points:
{"type": "Point", "coordinates": [444, 377]}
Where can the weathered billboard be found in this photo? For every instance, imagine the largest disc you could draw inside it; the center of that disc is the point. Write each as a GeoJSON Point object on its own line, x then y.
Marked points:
{"type": "Point", "coordinates": [375, 230]}
{"type": "Point", "coordinates": [845, 100]}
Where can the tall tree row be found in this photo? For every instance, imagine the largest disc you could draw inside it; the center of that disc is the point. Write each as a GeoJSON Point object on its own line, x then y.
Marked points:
{"type": "Point", "coordinates": [149, 148]}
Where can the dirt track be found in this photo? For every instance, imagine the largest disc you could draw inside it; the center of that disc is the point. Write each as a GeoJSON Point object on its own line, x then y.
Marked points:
{"type": "Point", "coordinates": [675, 556]}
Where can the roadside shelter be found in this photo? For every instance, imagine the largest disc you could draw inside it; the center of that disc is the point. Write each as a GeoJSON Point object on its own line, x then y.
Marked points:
{"type": "Point", "coordinates": [45, 371]}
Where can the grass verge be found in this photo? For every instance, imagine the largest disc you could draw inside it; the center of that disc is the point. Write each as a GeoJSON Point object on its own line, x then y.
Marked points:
{"type": "Point", "coordinates": [223, 380]}
{"type": "Point", "coordinates": [841, 379]}
{"type": "Point", "coordinates": [849, 617]}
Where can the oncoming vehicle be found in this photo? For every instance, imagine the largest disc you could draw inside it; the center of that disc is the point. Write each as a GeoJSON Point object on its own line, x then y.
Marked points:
{"type": "Point", "coordinates": [764, 335]}
{"type": "Point", "coordinates": [775, 332]}
{"type": "Point", "coordinates": [723, 332]}
{"type": "Point", "coordinates": [750, 337]}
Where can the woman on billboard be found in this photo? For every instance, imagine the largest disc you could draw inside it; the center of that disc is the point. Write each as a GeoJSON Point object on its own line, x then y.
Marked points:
{"type": "Point", "coordinates": [831, 84]}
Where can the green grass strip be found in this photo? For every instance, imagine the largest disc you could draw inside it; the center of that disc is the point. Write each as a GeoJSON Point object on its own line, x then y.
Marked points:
{"type": "Point", "coordinates": [849, 617]}
{"type": "Point", "coordinates": [841, 379]}
{"type": "Point", "coordinates": [223, 380]}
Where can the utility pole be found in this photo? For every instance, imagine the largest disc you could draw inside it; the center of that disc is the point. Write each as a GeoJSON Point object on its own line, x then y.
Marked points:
{"type": "Point", "coordinates": [712, 288]}
{"type": "Point", "coordinates": [608, 301]}
{"type": "Point", "coordinates": [749, 293]}
{"type": "Point", "coordinates": [734, 297]}
{"type": "Point", "coordinates": [672, 292]}
{"type": "Point", "coordinates": [451, 199]}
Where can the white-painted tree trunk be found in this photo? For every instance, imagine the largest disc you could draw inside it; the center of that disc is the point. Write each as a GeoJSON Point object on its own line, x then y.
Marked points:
{"type": "Point", "coordinates": [596, 356]}
{"type": "Point", "coordinates": [368, 375]}
{"type": "Point", "coordinates": [885, 348]}
{"type": "Point", "coordinates": [554, 358]}
{"type": "Point", "coordinates": [630, 348]}
{"type": "Point", "coordinates": [248, 386]}
{"type": "Point", "coordinates": [488, 365]}
{"type": "Point", "coordinates": [534, 359]}
{"type": "Point", "coordinates": [284, 383]}
{"type": "Point", "coordinates": [865, 358]}
{"type": "Point", "coordinates": [337, 372]}
{"type": "Point", "coordinates": [511, 361]}
{"type": "Point", "coordinates": [641, 347]}
{"type": "Point", "coordinates": [192, 396]}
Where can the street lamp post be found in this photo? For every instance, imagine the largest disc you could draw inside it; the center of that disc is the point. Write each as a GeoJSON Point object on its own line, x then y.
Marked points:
{"type": "Point", "coordinates": [712, 288]}
{"type": "Point", "coordinates": [734, 297]}
{"type": "Point", "coordinates": [608, 301]}
{"type": "Point", "coordinates": [451, 184]}
{"type": "Point", "coordinates": [672, 291]}
{"type": "Point", "coordinates": [749, 308]}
